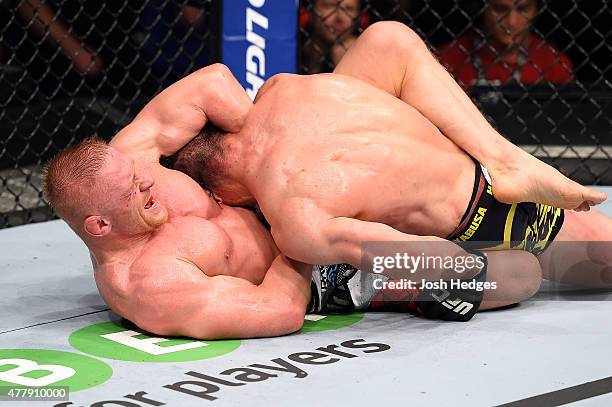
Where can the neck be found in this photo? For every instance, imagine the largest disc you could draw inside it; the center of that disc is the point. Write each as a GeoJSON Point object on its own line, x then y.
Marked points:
{"type": "Point", "coordinates": [242, 157]}
{"type": "Point", "coordinates": [114, 248]}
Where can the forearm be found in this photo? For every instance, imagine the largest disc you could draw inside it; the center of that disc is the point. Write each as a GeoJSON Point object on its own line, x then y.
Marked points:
{"type": "Point", "coordinates": [178, 114]}
{"type": "Point", "coordinates": [226, 103]}
{"type": "Point", "coordinates": [275, 307]}
{"type": "Point", "coordinates": [288, 280]}
{"type": "Point", "coordinates": [229, 307]}
{"type": "Point", "coordinates": [182, 110]}
{"type": "Point", "coordinates": [356, 241]}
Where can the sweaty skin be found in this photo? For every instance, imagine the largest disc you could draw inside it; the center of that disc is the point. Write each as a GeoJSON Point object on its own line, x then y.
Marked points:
{"type": "Point", "coordinates": [175, 261]}
{"type": "Point", "coordinates": [364, 166]}
{"type": "Point", "coordinates": [334, 160]}
{"type": "Point", "coordinates": [348, 171]}
{"type": "Point", "coordinates": [361, 154]}
{"type": "Point", "coordinates": [392, 57]}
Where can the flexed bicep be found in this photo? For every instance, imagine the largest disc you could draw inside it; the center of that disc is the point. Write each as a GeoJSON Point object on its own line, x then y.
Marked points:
{"type": "Point", "coordinates": [179, 112]}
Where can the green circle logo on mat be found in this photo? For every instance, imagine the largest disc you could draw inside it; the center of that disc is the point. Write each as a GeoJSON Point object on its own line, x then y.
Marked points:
{"type": "Point", "coordinates": [112, 340]}
{"type": "Point", "coordinates": [317, 323]}
{"type": "Point", "coordinates": [41, 367]}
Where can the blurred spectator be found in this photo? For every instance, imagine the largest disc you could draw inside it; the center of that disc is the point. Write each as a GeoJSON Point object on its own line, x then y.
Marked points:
{"type": "Point", "coordinates": [505, 49]}
{"type": "Point", "coordinates": [394, 10]}
{"type": "Point", "coordinates": [331, 27]}
{"type": "Point", "coordinates": [41, 19]}
{"type": "Point", "coordinates": [175, 38]}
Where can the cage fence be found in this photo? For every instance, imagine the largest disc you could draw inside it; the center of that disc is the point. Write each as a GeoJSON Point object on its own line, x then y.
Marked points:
{"type": "Point", "coordinates": [539, 70]}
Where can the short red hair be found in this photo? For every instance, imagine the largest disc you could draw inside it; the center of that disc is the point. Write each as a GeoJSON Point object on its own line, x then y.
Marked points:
{"type": "Point", "coordinates": [67, 172]}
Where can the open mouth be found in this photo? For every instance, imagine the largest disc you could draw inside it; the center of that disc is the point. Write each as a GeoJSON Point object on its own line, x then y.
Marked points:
{"type": "Point", "coordinates": [150, 203]}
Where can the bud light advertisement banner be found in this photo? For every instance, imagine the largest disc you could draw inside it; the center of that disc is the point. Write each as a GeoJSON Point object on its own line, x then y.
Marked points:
{"type": "Point", "coordinates": [259, 39]}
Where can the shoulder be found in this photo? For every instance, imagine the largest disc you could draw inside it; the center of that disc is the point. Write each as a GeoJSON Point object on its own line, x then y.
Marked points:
{"type": "Point", "coordinates": [545, 50]}
{"type": "Point", "coordinates": [192, 234]}
{"type": "Point", "coordinates": [157, 277]}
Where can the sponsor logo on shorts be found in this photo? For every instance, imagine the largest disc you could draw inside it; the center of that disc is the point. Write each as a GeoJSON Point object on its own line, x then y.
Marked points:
{"type": "Point", "coordinates": [44, 368]}
{"type": "Point", "coordinates": [476, 221]}
{"type": "Point", "coordinates": [457, 305]}
{"type": "Point", "coordinates": [537, 234]}
{"type": "Point", "coordinates": [485, 173]}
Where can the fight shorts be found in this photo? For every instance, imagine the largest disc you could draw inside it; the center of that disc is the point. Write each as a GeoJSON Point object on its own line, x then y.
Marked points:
{"type": "Point", "coordinates": [492, 225]}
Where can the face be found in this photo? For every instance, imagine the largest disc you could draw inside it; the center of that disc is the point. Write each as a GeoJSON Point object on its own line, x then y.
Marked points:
{"type": "Point", "coordinates": [127, 197]}
{"type": "Point", "coordinates": [334, 19]}
{"type": "Point", "coordinates": [507, 22]}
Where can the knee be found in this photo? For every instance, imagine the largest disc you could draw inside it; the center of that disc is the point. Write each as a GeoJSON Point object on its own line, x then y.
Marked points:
{"type": "Point", "coordinates": [600, 253]}
{"type": "Point", "coordinates": [520, 277]}
{"type": "Point", "coordinates": [526, 275]}
{"type": "Point", "coordinates": [392, 35]}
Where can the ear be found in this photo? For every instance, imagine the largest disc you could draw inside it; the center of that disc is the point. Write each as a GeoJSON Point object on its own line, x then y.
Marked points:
{"type": "Point", "coordinates": [97, 225]}
{"type": "Point", "coordinates": [215, 197]}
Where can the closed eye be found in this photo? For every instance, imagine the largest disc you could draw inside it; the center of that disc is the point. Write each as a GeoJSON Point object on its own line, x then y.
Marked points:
{"type": "Point", "coordinates": [132, 191]}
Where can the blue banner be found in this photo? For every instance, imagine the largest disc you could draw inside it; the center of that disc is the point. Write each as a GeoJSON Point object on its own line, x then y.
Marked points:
{"type": "Point", "coordinates": [259, 39]}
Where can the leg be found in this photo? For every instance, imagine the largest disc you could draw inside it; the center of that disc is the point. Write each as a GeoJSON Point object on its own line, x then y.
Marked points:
{"type": "Point", "coordinates": [582, 252]}
{"type": "Point", "coordinates": [518, 276]}
{"type": "Point", "coordinates": [393, 58]}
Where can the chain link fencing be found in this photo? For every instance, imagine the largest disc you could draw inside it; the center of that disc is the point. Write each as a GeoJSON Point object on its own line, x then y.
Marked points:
{"type": "Point", "coordinates": [540, 71]}
{"type": "Point", "coordinates": [73, 68]}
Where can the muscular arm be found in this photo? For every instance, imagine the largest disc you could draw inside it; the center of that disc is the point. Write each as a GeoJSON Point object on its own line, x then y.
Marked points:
{"type": "Point", "coordinates": [182, 301]}
{"type": "Point", "coordinates": [314, 239]}
{"type": "Point", "coordinates": [177, 114]}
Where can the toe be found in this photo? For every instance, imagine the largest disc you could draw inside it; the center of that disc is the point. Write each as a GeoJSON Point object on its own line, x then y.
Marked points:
{"type": "Point", "coordinates": [594, 196]}
{"type": "Point", "coordinates": [583, 207]}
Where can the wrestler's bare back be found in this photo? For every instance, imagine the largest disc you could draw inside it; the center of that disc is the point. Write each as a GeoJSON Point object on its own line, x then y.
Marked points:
{"type": "Point", "coordinates": [352, 150]}
{"type": "Point", "coordinates": [199, 231]}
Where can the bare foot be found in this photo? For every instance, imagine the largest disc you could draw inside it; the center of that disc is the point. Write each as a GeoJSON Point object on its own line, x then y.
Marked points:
{"type": "Point", "coordinates": [520, 177]}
